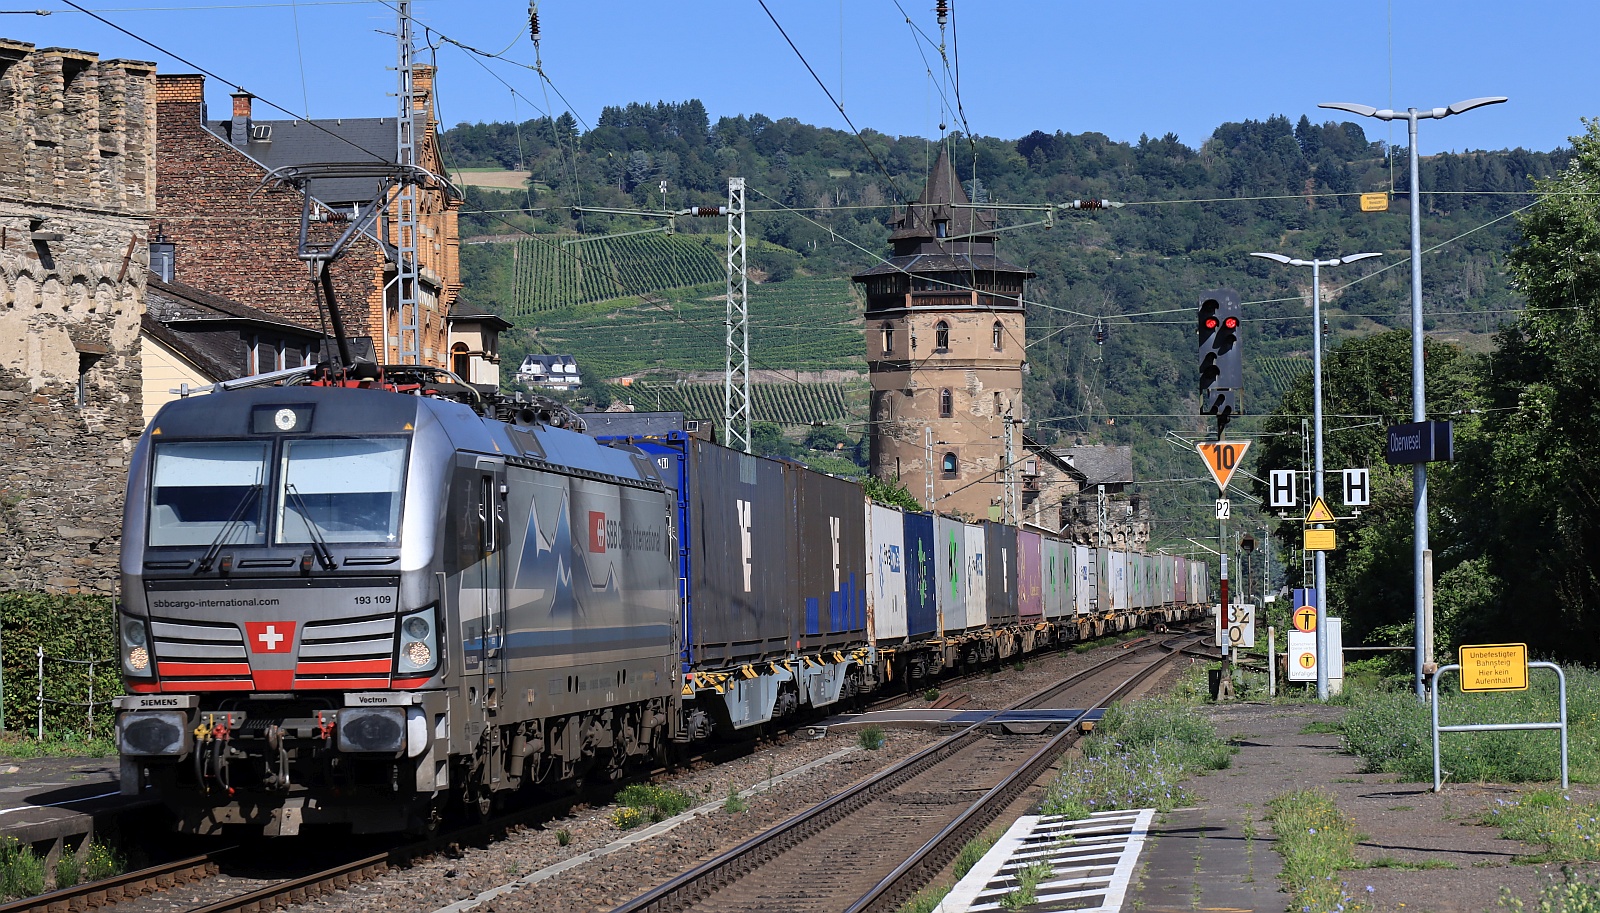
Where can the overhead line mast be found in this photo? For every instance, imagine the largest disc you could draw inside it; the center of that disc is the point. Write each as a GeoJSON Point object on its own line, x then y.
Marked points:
{"type": "Point", "coordinates": [408, 329]}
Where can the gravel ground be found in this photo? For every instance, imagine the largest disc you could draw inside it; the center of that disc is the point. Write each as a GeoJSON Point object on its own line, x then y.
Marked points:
{"type": "Point", "coordinates": [602, 883]}
{"type": "Point", "coordinates": [1399, 823]}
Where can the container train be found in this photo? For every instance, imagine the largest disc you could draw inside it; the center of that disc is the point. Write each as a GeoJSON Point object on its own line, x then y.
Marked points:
{"type": "Point", "coordinates": [357, 606]}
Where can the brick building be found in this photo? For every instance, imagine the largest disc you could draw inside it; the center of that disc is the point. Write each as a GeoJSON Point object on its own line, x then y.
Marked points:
{"type": "Point", "coordinates": [945, 327]}
{"type": "Point", "coordinates": [236, 238]}
{"type": "Point", "coordinates": [77, 188]}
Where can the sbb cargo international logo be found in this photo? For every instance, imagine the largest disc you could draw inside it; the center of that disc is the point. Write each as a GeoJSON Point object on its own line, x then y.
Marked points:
{"type": "Point", "coordinates": [597, 532]}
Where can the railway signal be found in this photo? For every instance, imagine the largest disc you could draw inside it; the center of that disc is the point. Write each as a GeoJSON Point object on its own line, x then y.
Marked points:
{"type": "Point", "coordinates": [1220, 351]}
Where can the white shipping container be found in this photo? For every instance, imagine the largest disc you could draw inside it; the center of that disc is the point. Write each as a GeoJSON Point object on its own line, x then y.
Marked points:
{"type": "Point", "coordinates": [1084, 579]}
{"type": "Point", "coordinates": [977, 578]}
{"type": "Point", "coordinates": [886, 578]}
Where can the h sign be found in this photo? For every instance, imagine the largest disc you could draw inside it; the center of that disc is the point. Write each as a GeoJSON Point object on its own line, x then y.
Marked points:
{"type": "Point", "coordinates": [1281, 491]}
{"type": "Point", "coordinates": [1357, 488]}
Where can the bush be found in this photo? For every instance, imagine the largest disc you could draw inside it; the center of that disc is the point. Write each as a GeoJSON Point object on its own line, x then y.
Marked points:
{"type": "Point", "coordinates": [67, 627]}
{"type": "Point", "coordinates": [1567, 830]}
{"type": "Point", "coordinates": [21, 870]}
{"type": "Point", "coordinates": [641, 801]}
{"type": "Point", "coordinates": [871, 738]}
{"type": "Point", "coordinates": [1137, 757]}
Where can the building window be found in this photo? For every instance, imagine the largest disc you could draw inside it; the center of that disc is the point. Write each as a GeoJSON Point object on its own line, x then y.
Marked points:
{"type": "Point", "coordinates": [888, 339]}
{"type": "Point", "coordinates": [941, 228]}
{"type": "Point", "coordinates": [946, 404]}
{"type": "Point", "coordinates": [460, 363]}
{"type": "Point", "coordinates": [999, 335]}
{"type": "Point", "coordinates": [997, 404]}
{"type": "Point", "coordinates": [941, 336]}
{"type": "Point", "coordinates": [86, 363]}
{"type": "Point", "coordinates": [950, 463]}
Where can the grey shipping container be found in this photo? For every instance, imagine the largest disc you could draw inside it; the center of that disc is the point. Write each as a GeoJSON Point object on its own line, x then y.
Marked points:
{"type": "Point", "coordinates": [832, 550]}
{"type": "Point", "coordinates": [950, 549]}
{"type": "Point", "coordinates": [745, 602]}
{"type": "Point", "coordinates": [1001, 542]}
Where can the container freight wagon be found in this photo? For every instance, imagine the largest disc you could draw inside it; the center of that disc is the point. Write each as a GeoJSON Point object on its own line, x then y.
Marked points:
{"type": "Point", "coordinates": [920, 557]}
{"type": "Point", "coordinates": [1085, 580]}
{"type": "Point", "coordinates": [1030, 576]}
{"type": "Point", "coordinates": [950, 543]}
{"type": "Point", "coordinates": [1057, 579]}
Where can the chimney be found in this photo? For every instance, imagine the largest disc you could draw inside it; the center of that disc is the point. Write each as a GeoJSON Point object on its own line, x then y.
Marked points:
{"type": "Point", "coordinates": [422, 88]}
{"type": "Point", "coordinates": [162, 256]}
{"type": "Point", "coordinates": [239, 131]}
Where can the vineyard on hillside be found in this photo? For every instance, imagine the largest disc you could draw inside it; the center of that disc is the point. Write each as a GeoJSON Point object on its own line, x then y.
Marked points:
{"type": "Point", "coordinates": [548, 274]}
{"type": "Point", "coordinates": [1281, 373]}
{"type": "Point", "coordinates": [786, 404]}
{"type": "Point", "coordinates": [802, 324]}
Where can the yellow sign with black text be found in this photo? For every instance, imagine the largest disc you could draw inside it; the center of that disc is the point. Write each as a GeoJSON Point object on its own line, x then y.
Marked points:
{"type": "Point", "coordinates": [1319, 540]}
{"type": "Point", "coordinates": [1374, 202]}
{"type": "Point", "coordinates": [1494, 667]}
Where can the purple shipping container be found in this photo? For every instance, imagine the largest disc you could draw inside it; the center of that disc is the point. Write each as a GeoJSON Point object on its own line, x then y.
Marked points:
{"type": "Point", "coordinates": [1030, 574]}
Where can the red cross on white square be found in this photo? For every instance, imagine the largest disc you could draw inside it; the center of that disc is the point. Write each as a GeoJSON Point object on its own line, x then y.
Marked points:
{"type": "Point", "coordinates": [270, 636]}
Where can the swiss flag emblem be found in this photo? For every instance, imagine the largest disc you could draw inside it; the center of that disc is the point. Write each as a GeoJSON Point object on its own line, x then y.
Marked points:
{"type": "Point", "coordinates": [270, 636]}
{"type": "Point", "coordinates": [597, 531]}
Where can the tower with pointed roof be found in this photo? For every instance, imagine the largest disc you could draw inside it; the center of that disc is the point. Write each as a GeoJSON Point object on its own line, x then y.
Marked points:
{"type": "Point", "coordinates": [945, 328]}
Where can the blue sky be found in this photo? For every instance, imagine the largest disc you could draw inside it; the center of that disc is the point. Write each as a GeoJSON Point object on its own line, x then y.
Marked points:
{"type": "Point", "coordinates": [1117, 68]}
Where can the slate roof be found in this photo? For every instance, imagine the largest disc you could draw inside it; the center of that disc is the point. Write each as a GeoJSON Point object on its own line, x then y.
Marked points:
{"type": "Point", "coordinates": [299, 142]}
{"type": "Point", "coordinates": [944, 262]}
{"type": "Point", "coordinates": [942, 198]}
{"type": "Point", "coordinates": [1100, 464]}
{"type": "Point", "coordinates": [206, 329]}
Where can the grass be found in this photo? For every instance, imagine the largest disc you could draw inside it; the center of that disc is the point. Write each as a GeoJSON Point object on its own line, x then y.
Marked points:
{"type": "Point", "coordinates": [1138, 757]}
{"type": "Point", "coordinates": [871, 738]}
{"type": "Point", "coordinates": [1389, 731]}
{"type": "Point", "coordinates": [97, 862]}
{"type": "Point", "coordinates": [21, 869]}
{"type": "Point", "coordinates": [17, 746]}
{"type": "Point", "coordinates": [1316, 727]}
{"type": "Point", "coordinates": [1570, 895]}
{"type": "Point", "coordinates": [928, 899]}
{"type": "Point", "coordinates": [1026, 893]}
{"type": "Point", "coordinates": [641, 802]}
{"type": "Point", "coordinates": [1316, 841]}
{"type": "Point", "coordinates": [563, 837]}
{"type": "Point", "coordinates": [1567, 831]}
{"type": "Point", "coordinates": [1409, 865]}
{"type": "Point", "coordinates": [734, 804]}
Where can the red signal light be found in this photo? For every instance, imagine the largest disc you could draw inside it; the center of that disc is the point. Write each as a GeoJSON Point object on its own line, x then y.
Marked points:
{"type": "Point", "coordinates": [1211, 323]}
{"type": "Point", "coordinates": [1231, 323]}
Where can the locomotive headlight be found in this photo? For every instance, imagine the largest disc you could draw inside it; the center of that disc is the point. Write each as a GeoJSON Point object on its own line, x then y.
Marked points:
{"type": "Point", "coordinates": [419, 645]}
{"type": "Point", "coordinates": [135, 648]}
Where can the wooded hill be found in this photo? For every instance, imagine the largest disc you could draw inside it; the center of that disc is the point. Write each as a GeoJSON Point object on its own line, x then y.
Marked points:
{"type": "Point", "coordinates": [821, 199]}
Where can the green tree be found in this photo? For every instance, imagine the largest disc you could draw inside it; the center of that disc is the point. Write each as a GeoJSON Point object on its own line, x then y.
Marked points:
{"type": "Point", "coordinates": [1366, 387]}
{"type": "Point", "coordinates": [1532, 477]}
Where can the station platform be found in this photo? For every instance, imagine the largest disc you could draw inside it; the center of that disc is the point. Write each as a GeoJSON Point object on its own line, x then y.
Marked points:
{"type": "Point", "coordinates": [56, 804]}
{"type": "Point", "coordinates": [951, 719]}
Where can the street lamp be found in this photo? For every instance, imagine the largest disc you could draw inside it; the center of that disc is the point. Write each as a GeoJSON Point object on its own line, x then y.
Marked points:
{"type": "Point", "coordinates": [1419, 411]}
{"type": "Point", "coordinates": [1316, 395]}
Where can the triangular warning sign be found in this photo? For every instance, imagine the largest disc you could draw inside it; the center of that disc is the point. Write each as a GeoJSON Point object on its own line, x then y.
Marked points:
{"type": "Point", "coordinates": [1222, 458]}
{"type": "Point", "coordinates": [1319, 512]}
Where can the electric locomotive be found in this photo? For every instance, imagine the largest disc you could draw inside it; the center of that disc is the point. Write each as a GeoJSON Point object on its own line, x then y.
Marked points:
{"type": "Point", "coordinates": [348, 605]}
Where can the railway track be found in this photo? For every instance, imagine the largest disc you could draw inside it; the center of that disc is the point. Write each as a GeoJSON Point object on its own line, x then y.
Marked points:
{"type": "Point", "coordinates": [928, 806]}
{"type": "Point", "coordinates": [973, 748]}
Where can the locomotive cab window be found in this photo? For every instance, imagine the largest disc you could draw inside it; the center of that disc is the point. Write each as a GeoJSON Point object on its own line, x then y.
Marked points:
{"type": "Point", "coordinates": [201, 489]}
{"type": "Point", "coordinates": [341, 490]}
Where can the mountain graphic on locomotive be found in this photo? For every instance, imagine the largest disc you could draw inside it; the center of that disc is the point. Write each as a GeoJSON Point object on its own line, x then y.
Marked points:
{"type": "Point", "coordinates": [355, 603]}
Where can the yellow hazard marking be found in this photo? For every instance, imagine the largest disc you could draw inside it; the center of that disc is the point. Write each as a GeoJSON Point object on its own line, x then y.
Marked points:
{"type": "Point", "coordinates": [407, 427]}
{"type": "Point", "coordinates": [1319, 512]}
{"type": "Point", "coordinates": [1319, 540]}
{"type": "Point", "coordinates": [154, 432]}
{"type": "Point", "coordinates": [1305, 619]}
{"type": "Point", "coordinates": [1308, 660]}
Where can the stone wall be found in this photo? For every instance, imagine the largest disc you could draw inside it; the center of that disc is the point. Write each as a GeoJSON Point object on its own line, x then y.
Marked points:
{"type": "Point", "coordinates": [76, 183]}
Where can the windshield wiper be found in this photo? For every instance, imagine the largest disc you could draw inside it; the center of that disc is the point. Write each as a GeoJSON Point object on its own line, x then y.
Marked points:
{"type": "Point", "coordinates": [226, 532]}
{"type": "Point", "coordinates": [324, 555]}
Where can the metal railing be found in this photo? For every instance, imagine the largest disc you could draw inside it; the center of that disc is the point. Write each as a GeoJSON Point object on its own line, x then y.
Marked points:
{"type": "Point", "coordinates": [1560, 724]}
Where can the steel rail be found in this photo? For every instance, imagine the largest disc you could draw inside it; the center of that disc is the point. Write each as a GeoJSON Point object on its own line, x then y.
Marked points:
{"type": "Point", "coordinates": [707, 877]}
{"type": "Point", "coordinates": [120, 887]}
{"type": "Point", "coordinates": [911, 875]}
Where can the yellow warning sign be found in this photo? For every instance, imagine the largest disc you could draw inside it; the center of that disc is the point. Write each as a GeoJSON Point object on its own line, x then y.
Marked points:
{"type": "Point", "coordinates": [1494, 667]}
{"type": "Point", "coordinates": [1319, 512]}
{"type": "Point", "coordinates": [1222, 458]}
{"type": "Point", "coordinates": [1374, 202]}
{"type": "Point", "coordinates": [1305, 619]}
{"type": "Point", "coordinates": [1319, 540]}
{"type": "Point", "coordinates": [1308, 660]}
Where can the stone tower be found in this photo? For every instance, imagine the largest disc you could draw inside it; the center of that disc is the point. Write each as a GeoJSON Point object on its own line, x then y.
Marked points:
{"type": "Point", "coordinates": [945, 329]}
